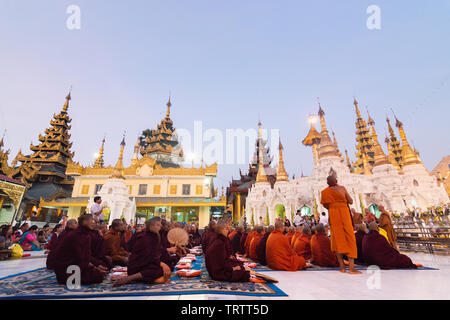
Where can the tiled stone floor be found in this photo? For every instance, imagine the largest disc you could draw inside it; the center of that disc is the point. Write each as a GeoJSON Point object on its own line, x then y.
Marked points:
{"type": "Point", "coordinates": [302, 285]}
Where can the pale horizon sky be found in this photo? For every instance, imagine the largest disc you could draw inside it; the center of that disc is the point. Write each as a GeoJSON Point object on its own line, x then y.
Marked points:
{"type": "Point", "coordinates": [228, 64]}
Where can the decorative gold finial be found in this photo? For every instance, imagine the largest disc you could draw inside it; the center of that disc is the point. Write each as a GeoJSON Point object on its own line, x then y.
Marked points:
{"type": "Point", "coordinates": [99, 163]}
{"type": "Point", "coordinates": [261, 175]}
{"type": "Point", "coordinates": [68, 98]}
{"type": "Point", "coordinates": [281, 172]}
{"type": "Point", "coordinates": [169, 104]}
{"type": "Point", "coordinates": [118, 168]}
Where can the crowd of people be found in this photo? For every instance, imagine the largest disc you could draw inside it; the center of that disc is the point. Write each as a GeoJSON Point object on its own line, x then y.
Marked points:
{"type": "Point", "coordinates": [340, 238]}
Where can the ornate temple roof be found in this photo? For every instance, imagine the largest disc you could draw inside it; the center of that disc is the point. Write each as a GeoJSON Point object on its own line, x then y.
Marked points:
{"type": "Point", "coordinates": [162, 144]}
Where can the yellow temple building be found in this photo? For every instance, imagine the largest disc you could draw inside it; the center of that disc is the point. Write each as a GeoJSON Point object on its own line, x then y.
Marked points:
{"type": "Point", "coordinates": [156, 181]}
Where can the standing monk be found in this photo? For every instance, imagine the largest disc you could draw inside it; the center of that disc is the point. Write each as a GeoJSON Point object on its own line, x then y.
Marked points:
{"type": "Point", "coordinates": [279, 253]}
{"type": "Point", "coordinates": [385, 222]}
{"type": "Point", "coordinates": [336, 199]}
{"type": "Point", "coordinates": [146, 258]}
{"type": "Point", "coordinates": [219, 260]}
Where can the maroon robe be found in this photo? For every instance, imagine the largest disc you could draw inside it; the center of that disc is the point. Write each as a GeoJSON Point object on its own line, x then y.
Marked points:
{"type": "Point", "coordinates": [98, 250]}
{"type": "Point", "coordinates": [51, 244]}
{"type": "Point", "coordinates": [55, 245]}
{"type": "Point", "coordinates": [170, 259]}
{"type": "Point", "coordinates": [146, 257]}
{"type": "Point", "coordinates": [261, 249]}
{"type": "Point", "coordinates": [219, 261]}
{"type": "Point", "coordinates": [378, 251]}
{"type": "Point", "coordinates": [242, 243]}
{"type": "Point", "coordinates": [196, 239]}
{"type": "Point", "coordinates": [132, 241]}
{"type": "Point", "coordinates": [75, 249]}
{"type": "Point", "coordinates": [208, 238]}
{"type": "Point", "coordinates": [236, 242]}
{"type": "Point", "coordinates": [359, 235]}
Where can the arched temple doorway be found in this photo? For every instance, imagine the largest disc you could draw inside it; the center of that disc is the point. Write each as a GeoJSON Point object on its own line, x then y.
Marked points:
{"type": "Point", "coordinates": [305, 211]}
{"type": "Point", "coordinates": [280, 211]}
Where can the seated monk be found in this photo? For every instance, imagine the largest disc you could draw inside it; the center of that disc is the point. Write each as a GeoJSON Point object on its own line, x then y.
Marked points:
{"type": "Point", "coordinates": [113, 243]}
{"type": "Point", "coordinates": [252, 247]}
{"type": "Point", "coordinates": [378, 251]}
{"type": "Point", "coordinates": [236, 239]}
{"type": "Point", "coordinates": [297, 233]}
{"type": "Point", "coordinates": [75, 250]}
{"type": "Point", "coordinates": [279, 253]}
{"type": "Point", "coordinates": [71, 225]}
{"type": "Point", "coordinates": [302, 244]}
{"type": "Point", "coordinates": [261, 246]}
{"type": "Point", "coordinates": [220, 262]}
{"type": "Point", "coordinates": [290, 233]}
{"type": "Point", "coordinates": [385, 222]}
{"type": "Point", "coordinates": [369, 216]}
{"type": "Point", "coordinates": [356, 217]}
{"type": "Point", "coordinates": [248, 240]}
{"type": "Point", "coordinates": [336, 200]}
{"type": "Point", "coordinates": [232, 233]}
{"type": "Point", "coordinates": [196, 237]}
{"type": "Point", "coordinates": [209, 235]}
{"type": "Point", "coordinates": [145, 263]}
{"type": "Point", "coordinates": [171, 258]}
{"type": "Point", "coordinates": [321, 248]}
{"type": "Point", "coordinates": [98, 246]}
{"type": "Point", "coordinates": [361, 231]}
{"type": "Point", "coordinates": [242, 242]}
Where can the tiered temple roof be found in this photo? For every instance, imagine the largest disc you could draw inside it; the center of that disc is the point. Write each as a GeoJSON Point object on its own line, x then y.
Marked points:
{"type": "Point", "coordinates": [45, 168]}
{"type": "Point", "coordinates": [364, 145]}
{"type": "Point", "coordinates": [162, 144]}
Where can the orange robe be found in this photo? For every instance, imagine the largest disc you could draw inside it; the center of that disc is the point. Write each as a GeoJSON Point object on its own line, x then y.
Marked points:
{"type": "Point", "coordinates": [252, 248]}
{"type": "Point", "coordinates": [321, 251]}
{"type": "Point", "coordinates": [232, 233]}
{"type": "Point", "coordinates": [289, 236]}
{"type": "Point", "coordinates": [385, 222]}
{"type": "Point", "coordinates": [295, 237]}
{"type": "Point", "coordinates": [341, 228]}
{"type": "Point", "coordinates": [248, 241]}
{"type": "Point", "coordinates": [302, 246]}
{"type": "Point", "coordinates": [280, 255]}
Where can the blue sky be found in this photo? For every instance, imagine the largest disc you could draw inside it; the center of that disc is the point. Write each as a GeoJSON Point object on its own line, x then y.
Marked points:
{"type": "Point", "coordinates": [226, 63]}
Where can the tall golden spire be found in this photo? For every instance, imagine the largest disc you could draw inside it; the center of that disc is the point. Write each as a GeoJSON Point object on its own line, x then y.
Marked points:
{"type": "Point", "coordinates": [261, 176]}
{"type": "Point", "coordinates": [409, 156]}
{"type": "Point", "coordinates": [366, 168]}
{"type": "Point", "coordinates": [349, 165]}
{"type": "Point", "coordinates": [168, 108]}
{"type": "Point", "coordinates": [66, 104]}
{"type": "Point", "coordinates": [396, 153]}
{"type": "Point", "coordinates": [281, 171]}
{"type": "Point", "coordinates": [312, 139]}
{"type": "Point", "coordinates": [99, 163]}
{"type": "Point", "coordinates": [118, 168]}
{"type": "Point", "coordinates": [135, 153]}
{"type": "Point", "coordinates": [326, 146]}
{"type": "Point", "coordinates": [364, 145]}
{"type": "Point", "coordinates": [379, 156]}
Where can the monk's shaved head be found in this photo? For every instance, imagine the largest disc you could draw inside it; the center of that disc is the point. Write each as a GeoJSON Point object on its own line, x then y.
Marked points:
{"type": "Point", "coordinates": [240, 229]}
{"type": "Point", "coordinates": [212, 225]}
{"type": "Point", "coordinates": [320, 228]}
{"type": "Point", "coordinates": [306, 230]}
{"type": "Point", "coordinates": [373, 226]}
{"type": "Point", "coordinates": [259, 229]}
{"type": "Point", "coordinates": [361, 227]}
{"type": "Point", "coordinates": [279, 225]}
{"type": "Point", "coordinates": [292, 229]}
{"type": "Point", "coordinates": [71, 224]}
{"type": "Point", "coordinates": [331, 180]}
{"type": "Point", "coordinates": [270, 228]}
{"type": "Point", "coordinates": [221, 225]}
